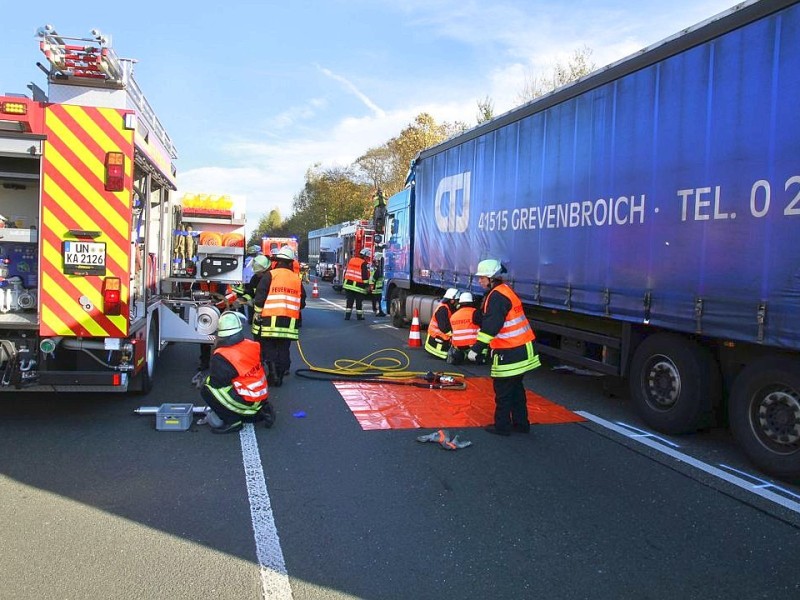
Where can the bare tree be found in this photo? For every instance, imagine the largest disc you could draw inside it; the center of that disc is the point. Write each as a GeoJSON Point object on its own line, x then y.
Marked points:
{"type": "Point", "coordinates": [485, 110]}
{"type": "Point", "coordinates": [578, 65]}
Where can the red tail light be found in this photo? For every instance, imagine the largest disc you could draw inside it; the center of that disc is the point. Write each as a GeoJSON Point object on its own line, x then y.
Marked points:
{"type": "Point", "coordinates": [112, 296]}
{"type": "Point", "coordinates": [115, 171]}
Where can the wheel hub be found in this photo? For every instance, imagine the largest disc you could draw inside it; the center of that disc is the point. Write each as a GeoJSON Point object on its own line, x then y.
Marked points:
{"type": "Point", "coordinates": [779, 417]}
{"type": "Point", "coordinates": [663, 383]}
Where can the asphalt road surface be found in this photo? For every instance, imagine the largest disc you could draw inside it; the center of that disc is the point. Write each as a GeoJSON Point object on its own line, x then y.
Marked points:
{"type": "Point", "coordinates": [95, 503]}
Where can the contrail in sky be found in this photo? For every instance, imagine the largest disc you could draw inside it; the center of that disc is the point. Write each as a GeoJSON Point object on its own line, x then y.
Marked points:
{"type": "Point", "coordinates": [358, 93]}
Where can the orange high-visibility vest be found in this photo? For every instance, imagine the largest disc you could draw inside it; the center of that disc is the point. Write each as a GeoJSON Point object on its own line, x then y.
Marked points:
{"type": "Point", "coordinates": [433, 326]}
{"type": "Point", "coordinates": [465, 332]}
{"type": "Point", "coordinates": [283, 296]}
{"type": "Point", "coordinates": [353, 279]}
{"type": "Point", "coordinates": [516, 330]}
{"type": "Point", "coordinates": [251, 381]}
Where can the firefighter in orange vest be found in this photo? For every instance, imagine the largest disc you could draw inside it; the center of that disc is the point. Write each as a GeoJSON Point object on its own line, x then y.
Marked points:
{"type": "Point", "coordinates": [437, 341]}
{"type": "Point", "coordinates": [280, 296]}
{"type": "Point", "coordinates": [356, 283]}
{"type": "Point", "coordinates": [506, 330]}
{"type": "Point", "coordinates": [236, 387]}
{"type": "Point", "coordinates": [296, 267]}
{"type": "Point", "coordinates": [464, 330]}
{"type": "Point", "coordinates": [214, 291]}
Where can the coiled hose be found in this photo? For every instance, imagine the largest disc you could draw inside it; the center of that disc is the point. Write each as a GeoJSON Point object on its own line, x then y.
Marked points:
{"type": "Point", "coordinates": [388, 365]}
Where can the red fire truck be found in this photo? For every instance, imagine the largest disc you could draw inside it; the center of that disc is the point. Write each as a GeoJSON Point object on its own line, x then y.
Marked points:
{"type": "Point", "coordinates": [89, 291]}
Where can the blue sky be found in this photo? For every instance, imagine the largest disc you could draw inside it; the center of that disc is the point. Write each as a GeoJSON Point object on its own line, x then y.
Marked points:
{"type": "Point", "coordinates": [255, 93]}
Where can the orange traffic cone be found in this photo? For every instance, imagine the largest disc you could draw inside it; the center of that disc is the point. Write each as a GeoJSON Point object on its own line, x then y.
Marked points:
{"type": "Point", "coordinates": [315, 291]}
{"type": "Point", "coordinates": [414, 339]}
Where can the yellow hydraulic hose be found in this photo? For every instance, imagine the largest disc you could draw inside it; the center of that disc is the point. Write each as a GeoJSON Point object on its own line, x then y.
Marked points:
{"type": "Point", "coordinates": [388, 364]}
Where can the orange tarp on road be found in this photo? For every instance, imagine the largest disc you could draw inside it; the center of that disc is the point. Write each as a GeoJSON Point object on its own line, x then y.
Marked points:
{"type": "Point", "coordinates": [390, 406]}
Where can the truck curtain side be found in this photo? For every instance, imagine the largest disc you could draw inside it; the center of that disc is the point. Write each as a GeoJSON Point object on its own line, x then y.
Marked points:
{"type": "Point", "coordinates": [647, 216]}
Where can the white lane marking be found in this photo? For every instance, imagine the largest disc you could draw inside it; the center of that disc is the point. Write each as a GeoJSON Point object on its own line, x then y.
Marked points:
{"type": "Point", "coordinates": [698, 464]}
{"type": "Point", "coordinates": [647, 434]}
{"type": "Point", "coordinates": [274, 577]}
{"type": "Point", "coordinates": [331, 303]}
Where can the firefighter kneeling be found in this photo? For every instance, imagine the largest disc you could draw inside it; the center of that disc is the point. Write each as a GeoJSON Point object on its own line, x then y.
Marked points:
{"type": "Point", "coordinates": [236, 388]}
{"type": "Point", "coordinates": [465, 324]}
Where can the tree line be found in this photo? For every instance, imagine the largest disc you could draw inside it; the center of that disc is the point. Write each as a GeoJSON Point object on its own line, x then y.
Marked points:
{"type": "Point", "coordinates": [332, 195]}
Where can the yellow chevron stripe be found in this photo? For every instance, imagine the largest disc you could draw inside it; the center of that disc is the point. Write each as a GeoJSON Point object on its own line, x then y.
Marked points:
{"type": "Point", "coordinates": [70, 304]}
{"type": "Point", "coordinates": [51, 222]}
{"type": "Point", "coordinates": [86, 190]}
{"type": "Point", "coordinates": [96, 133]}
{"type": "Point", "coordinates": [53, 256]}
{"type": "Point", "coordinates": [116, 253]}
{"type": "Point", "coordinates": [67, 135]}
{"type": "Point", "coordinates": [53, 321]}
{"type": "Point", "coordinates": [73, 307]}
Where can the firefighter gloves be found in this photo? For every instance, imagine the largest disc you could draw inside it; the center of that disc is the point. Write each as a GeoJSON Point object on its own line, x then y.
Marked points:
{"type": "Point", "coordinates": [442, 437]}
{"type": "Point", "coordinates": [199, 379]}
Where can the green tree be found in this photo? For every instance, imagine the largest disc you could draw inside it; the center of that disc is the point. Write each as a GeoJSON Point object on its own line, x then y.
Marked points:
{"type": "Point", "coordinates": [268, 225]}
{"type": "Point", "coordinates": [423, 133]}
{"type": "Point", "coordinates": [578, 65]}
{"type": "Point", "coordinates": [376, 165]}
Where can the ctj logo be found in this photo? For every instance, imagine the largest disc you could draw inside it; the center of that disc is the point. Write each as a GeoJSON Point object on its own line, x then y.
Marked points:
{"type": "Point", "coordinates": [452, 203]}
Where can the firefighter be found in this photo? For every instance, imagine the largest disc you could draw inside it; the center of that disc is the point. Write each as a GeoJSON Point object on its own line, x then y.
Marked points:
{"type": "Point", "coordinates": [465, 326]}
{"type": "Point", "coordinates": [296, 268]}
{"type": "Point", "coordinates": [280, 296]}
{"type": "Point", "coordinates": [236, 388]}
{"type": "Point", "coordinates": [211, 290]}
{"type": "Point", "coordinates": [247, 291]}
{"type": "Point", "coordinates": [376, 286]}
{"type": "Point", "coordinates": [440, 331]}
{"type": "Point", "coordinates": [356, 283]}
{"type": "Point", "coordinates": [505, 329]}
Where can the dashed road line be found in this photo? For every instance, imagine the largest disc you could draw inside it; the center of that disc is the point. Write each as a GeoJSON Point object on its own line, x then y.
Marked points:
{"type": "Point", "coordinates": [781, 496]}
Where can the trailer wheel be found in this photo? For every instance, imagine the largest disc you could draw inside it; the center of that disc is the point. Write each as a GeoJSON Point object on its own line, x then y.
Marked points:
{"type": "Point", "coordinates": [396, 308]}
{"type": "Point", "coordinates": [764, 414]}
{"type": "Point", "coordinates": [674, 383]}
{"type": "Point", "coordinates": [145, 377]}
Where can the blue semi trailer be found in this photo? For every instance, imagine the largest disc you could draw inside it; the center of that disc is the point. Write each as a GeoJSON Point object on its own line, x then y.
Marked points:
{"type": "Point", "coordinates": [649, 217]}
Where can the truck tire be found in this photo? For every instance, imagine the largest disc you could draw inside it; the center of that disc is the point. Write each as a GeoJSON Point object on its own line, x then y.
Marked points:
{"type": "Point", "coordinates": [674, 383]}
{"type": "Point", "coordinates": [144, 380]}
{"type": "Point", "coordinates": [764, 415]}
{"type": "Point", "coordinates": [396, 302]}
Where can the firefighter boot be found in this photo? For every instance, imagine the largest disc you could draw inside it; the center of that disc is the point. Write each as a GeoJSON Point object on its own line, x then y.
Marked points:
{"type": "Point", "coordinates": [347, 315]}
{"type": "Point", "coordinates": [267, 414]}
{"type": "Point", "coordinates": [228, 428]}
{"type": "Point", "coordinates": [271, 373]}
{"type": "Point", "coordinates": [360, 315]}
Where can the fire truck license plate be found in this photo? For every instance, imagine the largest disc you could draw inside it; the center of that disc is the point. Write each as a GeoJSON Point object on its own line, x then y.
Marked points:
{"type": "Point", "coordinates": [84, 258]}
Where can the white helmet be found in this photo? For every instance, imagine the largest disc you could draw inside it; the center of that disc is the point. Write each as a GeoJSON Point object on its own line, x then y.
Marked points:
{"type": "Point", "coordinates": [465, 298]}
{"type": "Point", "coordinates": [450, 294]}
{"type": "Point", "coordinates": [230, 323]}
{"type": "Point", "coordinates": [489, 268]}
{"type": "Point", "coordinates": [260, 264]}
{"type": "Point", "coordinates": [365, 252]}
{"type": "Point", "coordinates": [284, 253]}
